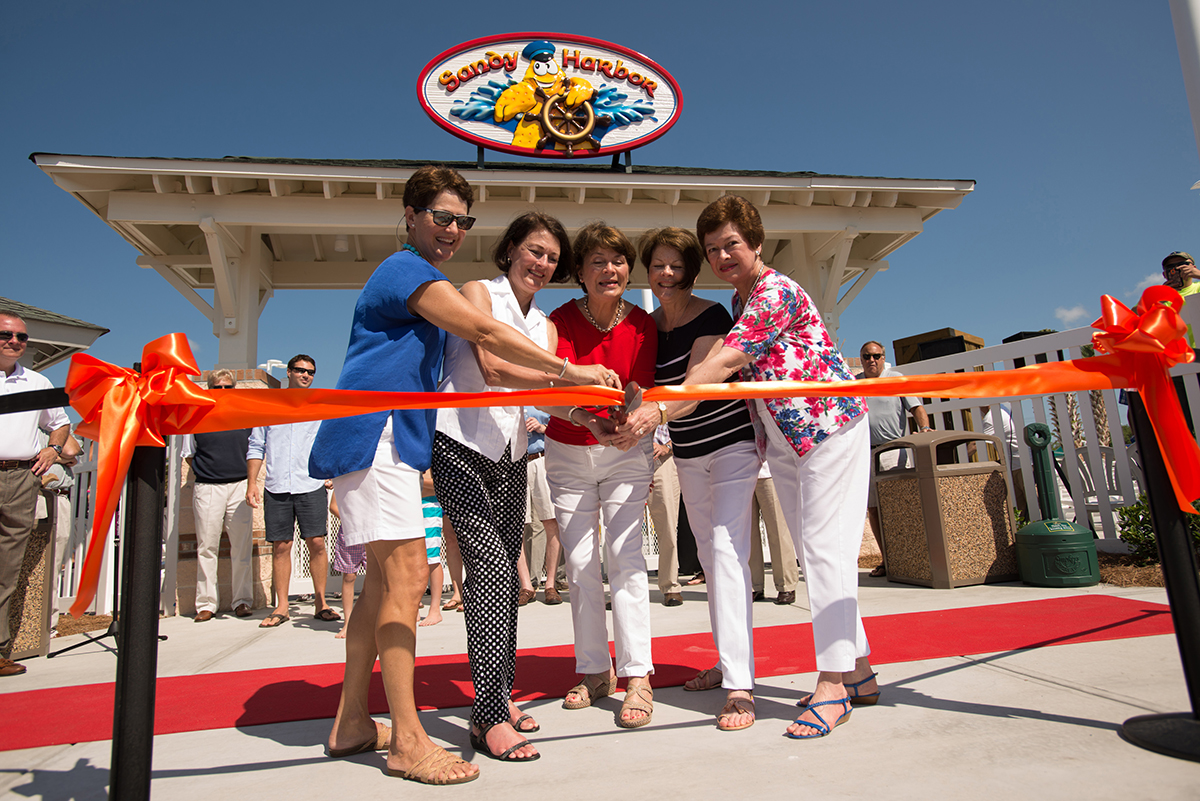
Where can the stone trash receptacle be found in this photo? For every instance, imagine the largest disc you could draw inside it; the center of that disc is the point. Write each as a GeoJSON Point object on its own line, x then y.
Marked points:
{"type": "Point", "coordinates": [946, 524]}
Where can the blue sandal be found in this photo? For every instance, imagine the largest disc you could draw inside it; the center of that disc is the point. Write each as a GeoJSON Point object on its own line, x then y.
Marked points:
{"type": "Point", "coordinates": [856, 699]}
{"type": "Point", "coordinates": [823, 728]}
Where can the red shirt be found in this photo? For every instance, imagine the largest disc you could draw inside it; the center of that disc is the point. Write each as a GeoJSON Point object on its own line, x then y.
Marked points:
{"type": "Point", "coordinates": [629, 349]}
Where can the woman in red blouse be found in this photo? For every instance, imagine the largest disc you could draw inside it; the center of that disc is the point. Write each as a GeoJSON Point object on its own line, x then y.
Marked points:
{"type": "Point", "coordinates": [594, 471]}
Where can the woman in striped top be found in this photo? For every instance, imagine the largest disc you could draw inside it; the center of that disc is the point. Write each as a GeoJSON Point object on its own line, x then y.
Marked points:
{"type": "Point", "coordinates": [716, 462]}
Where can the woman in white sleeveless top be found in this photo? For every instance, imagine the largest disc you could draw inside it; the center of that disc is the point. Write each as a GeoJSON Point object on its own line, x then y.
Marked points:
{"type": "Point", "coordinates": [480, 476]}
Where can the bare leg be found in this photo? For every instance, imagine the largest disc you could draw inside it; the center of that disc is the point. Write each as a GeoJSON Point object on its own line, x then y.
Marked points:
{"type": "Point", "coordinates": [434, 616]}
{"type": "Point", "coordinates": [453, 559]}
{"type": "Point", "coordinates": [523, 571]}
{"type": "Point", "coordinates": [318, 568]}
{"type": "Point", "coordinates": [387, 610]}
{"type": "Point", "coordinates": [348, 580]}
{"type": "Point", "coordinates": [553, 550]}
{"type": "Point", "coordinates": [281, 574]}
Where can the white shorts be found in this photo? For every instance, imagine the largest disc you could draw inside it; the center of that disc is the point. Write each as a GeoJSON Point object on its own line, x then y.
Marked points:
{"type": "Point", "coordinates": [382, 502]}
{"type": "Point", "coordinates": [539, 507]}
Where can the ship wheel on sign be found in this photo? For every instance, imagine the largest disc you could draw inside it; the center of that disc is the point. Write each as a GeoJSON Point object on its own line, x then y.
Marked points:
{"type": "Point", "coordinates": [567, 124]}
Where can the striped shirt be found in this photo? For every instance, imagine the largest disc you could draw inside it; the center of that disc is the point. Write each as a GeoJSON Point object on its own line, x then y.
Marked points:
{"type": "Point", "coordinates": [714, 424]}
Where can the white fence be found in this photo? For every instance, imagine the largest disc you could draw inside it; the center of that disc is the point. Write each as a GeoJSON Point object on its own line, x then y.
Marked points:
{"type": "Point", "coordinates": [1101, 477]}
{"type": "Point", "coordinates": [82, 499]}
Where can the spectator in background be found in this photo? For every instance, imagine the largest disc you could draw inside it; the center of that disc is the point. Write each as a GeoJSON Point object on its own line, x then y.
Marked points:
{"type": "Point", "coordinates": [1180, 273]}
{"type": "Point", "coordinates": [785, 570]}
{"type": "Point", "coordinates": [57, 483]}
{"type": "Point", "coordinates": [23, 461]}
{"type": "Point", "coordinates": [888, 418]}
{"type": "Point", "coordinates": [539, 509]}
{"type": "Point", "coordinates": [294, 499]}
{"type": "Point", "coordinates": [218, 463]}
{"type": "Point", "coordinates": [432, 510]}
{"type": "Point", "coordinates": [664, 513]}
{"type": "Point", "coordinates": [347, 560]}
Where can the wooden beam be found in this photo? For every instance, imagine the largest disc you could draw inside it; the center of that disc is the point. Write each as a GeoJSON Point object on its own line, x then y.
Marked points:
{"type": "Point", "coordinates": [358, 247]}
{"type": "Point", "coordinates": [166, 184]}
{"type": "Point", "coordinates": [862, 199]}
{"type": "Point", "coordinates": [481, 193]}
{"type": "Point", "coordinates": [277, 246]}
{"type": "Point", "coordinates": [181, 286]}
{"type": "Point", "coordinates": [761, 198]}
{"type": "Point", "coordinates": [318, 251]}
{"type": "Point", "coordinates": [844, 199]}
{"type": "Point", "coordinates": [223, 268]}
{"type": "Point", "coordinates": [383, 190]}
{"type": "Point", "coordinates": [627, 196]}
{"type": "Point", "coordinates": [198, 184]}
{"type": "Point", "coordinates": [864, 278]}
{"type": "Point", "coordinates": [281, 188]}
{"type": "Point", "coordinates": [223, 185]}
{"type": "Point", "coordinates": [886, 200]}
{"type": "Point", "coordinates": [334, 189]}
{"type": "Point", "coordinates": [530, 193]}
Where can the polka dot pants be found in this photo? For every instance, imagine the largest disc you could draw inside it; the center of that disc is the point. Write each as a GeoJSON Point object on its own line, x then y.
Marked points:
{"type": "Point", "coordinates": [485, 502]}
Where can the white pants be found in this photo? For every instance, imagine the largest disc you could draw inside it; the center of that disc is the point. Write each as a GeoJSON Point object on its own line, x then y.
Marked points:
{"type": "Point", "coordinates": [824, 500]}
{"type": "Point", "coordinates": [587, 483]}
{"type": "Point", "coordinates": [717, 490]}
{"type": "Point", "coordinates": [218, 506]}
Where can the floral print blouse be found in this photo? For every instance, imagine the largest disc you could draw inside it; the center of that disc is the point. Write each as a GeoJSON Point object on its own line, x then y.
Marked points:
{"type": "Point", "coordinates": [781, 328]}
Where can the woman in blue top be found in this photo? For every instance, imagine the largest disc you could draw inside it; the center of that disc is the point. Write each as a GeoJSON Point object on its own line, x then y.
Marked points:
{"type": "Point", "coordinates": [376, 460]}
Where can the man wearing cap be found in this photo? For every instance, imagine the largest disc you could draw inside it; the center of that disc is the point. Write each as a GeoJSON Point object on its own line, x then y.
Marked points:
{"type": "Point", "coordinates": [1180, 273]}
{"type": "Point", "coordinates": [22, 463]}
{"type": "Point", "coordinates": [888, 419]}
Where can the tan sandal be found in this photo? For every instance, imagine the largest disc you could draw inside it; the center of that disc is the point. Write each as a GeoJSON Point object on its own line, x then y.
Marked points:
{"type": "Point", "coordinates": [640, 698]}
{"type": "Point", "coordinates": [433, 767]}
{"type": "Point", "coordinates": [380, 742]}
{"type": "Point", "coordinates": [707, 679]}
{"type": "Point", "coordinates": [590, 690]}
{"type": "Point", "coordinates": [734, 707]}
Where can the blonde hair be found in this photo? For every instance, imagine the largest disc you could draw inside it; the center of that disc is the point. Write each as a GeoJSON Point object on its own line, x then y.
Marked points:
{"type": "Point", "coordinates": [218, 375]}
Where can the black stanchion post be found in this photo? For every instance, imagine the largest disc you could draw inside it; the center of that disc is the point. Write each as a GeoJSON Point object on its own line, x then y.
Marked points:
{"type": "Point", "coordinates": [137, 637]}
{"type": "Point", "coordinates": [1176, 734]}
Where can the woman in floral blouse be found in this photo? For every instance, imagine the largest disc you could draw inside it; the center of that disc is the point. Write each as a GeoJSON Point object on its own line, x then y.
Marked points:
{"type": "Point", "coordinates": [818, 449]}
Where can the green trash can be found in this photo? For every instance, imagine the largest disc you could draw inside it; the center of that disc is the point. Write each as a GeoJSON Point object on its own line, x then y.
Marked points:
{"type": "Point", "coordinates": [1053, 552]}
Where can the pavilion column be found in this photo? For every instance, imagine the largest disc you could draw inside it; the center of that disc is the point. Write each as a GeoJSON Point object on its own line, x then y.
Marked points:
{"type": "Point", "coordinates": [238, 306]}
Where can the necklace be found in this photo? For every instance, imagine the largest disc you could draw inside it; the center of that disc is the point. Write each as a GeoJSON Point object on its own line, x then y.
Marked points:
{"type": "Point", "coordinates": [616, 318]}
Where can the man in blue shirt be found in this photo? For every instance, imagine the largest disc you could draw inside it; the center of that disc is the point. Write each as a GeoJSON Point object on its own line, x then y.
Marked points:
{"type": "Point", "coordinates": [293, 498]}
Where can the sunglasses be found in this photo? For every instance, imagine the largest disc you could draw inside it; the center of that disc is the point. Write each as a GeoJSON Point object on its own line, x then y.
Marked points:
{"type": "Point", "coordinates": [304, 370]}
{"type": "Point", "coordinates": [872, 356]}
{"type": "Point", "coordinates": [223, 386]}
{"type": "Point", "coordinates": [20, 336]}
{"type": "Point", "coordinates": [444, 218]}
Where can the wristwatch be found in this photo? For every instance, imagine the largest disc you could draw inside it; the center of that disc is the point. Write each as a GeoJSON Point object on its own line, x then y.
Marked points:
{"type": "Point", "coordinates": [662, 413]}
{"type": "Point", "coordinates": [57, 449]}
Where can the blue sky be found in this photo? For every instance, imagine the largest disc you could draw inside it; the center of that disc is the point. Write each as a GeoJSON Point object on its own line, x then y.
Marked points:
{"type": "Point", "coordinates": [1071, 117]}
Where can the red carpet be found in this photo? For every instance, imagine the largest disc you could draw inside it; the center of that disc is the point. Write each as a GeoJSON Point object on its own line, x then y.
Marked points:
{"type": "Point", "coordinates": [254, 697]}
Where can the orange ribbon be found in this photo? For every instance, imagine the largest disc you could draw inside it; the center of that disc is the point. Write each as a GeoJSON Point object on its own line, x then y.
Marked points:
{"type": "Point", "coordinates": [122, 408]}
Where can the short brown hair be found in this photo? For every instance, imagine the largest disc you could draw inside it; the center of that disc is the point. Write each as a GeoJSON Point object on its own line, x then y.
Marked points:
{"type": "Point", "coordinates": [679, 239]}
{"type": "Point", "coordinates": [433, 179]}
{"type": "Point", "coordinates": [600, 234]}
{"type": "Point", "coordinates": [218, 375]}
{"type": "Point", "coordinates": [526, 225]}
{"type": "Point", "coordinates": [736, 210]}
{"type": "Point", "coordinates": [871, 342]}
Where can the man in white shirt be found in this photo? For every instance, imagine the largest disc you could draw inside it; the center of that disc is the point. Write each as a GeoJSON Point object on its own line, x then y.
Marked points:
{"type": "Point", "coordinates": [293, 498]}
{"type": "Point", "coordinates": [22, 463]}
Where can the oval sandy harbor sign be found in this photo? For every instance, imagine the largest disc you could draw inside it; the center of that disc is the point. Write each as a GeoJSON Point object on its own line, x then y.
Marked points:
{"type": "Point", "coordinates": [552, 95]}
